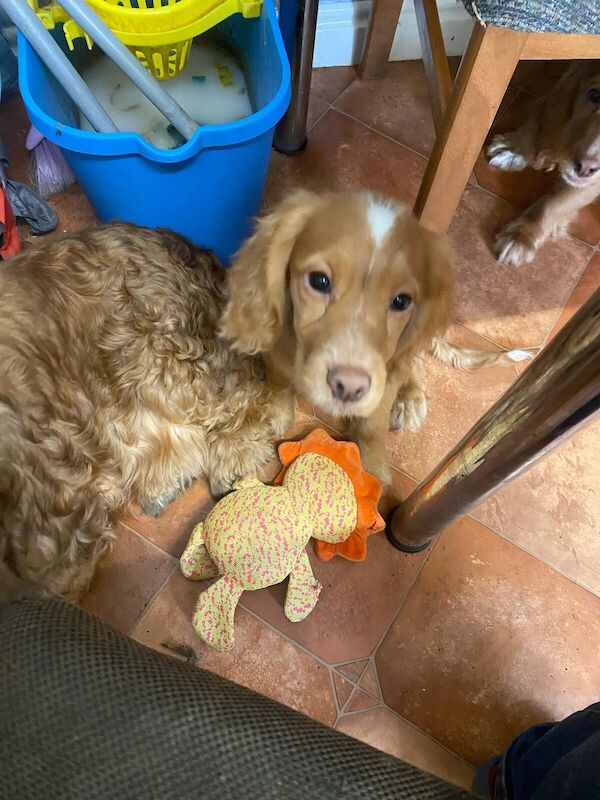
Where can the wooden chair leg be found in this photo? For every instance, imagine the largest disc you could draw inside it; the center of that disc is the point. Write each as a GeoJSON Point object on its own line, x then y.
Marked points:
{"type": "Point", "coordinates": [435, 60]}
{"type": "Point", "coordinates": [485, 71]}
{"type": "Point", "coordinates": [379, 39]}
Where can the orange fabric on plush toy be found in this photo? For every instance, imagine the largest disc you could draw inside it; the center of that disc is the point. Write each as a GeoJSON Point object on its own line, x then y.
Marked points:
{"type": "Point", "coordinates": [367, 490]}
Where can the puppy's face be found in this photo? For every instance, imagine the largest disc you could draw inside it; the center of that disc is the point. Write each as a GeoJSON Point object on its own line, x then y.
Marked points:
{"type": "Point", "coordinates": [357, 284]}
{"type": "Point", "coordinates": [580, 161]}
{"type": "Point", "coordinates": [355, 277]}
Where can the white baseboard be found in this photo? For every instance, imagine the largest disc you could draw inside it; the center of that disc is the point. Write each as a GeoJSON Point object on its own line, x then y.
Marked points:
{"type": "Point", "coordinates": [342, 25]}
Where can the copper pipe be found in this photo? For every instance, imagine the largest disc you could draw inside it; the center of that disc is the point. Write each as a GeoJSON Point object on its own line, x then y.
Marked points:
{"type": "Point", "coordinates": [555, 396]}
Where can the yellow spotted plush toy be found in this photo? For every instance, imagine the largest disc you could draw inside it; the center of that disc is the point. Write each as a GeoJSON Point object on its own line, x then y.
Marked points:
{"type": "Point", "coordinates": [256, 536]}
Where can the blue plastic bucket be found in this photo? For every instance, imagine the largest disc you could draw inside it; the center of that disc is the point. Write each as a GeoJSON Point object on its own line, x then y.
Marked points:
{"type": "Point", "coordinates": [210, 188]}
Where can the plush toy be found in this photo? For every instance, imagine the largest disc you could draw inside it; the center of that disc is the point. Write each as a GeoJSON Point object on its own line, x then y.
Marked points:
{"type": "Point", "coordinates": [256, 536]}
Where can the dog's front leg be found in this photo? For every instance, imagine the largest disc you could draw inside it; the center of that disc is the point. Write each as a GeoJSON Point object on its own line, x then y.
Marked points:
{"type": "Point", "coordinates": [283, 399]}
{"type": "Point", "coordinates": [517, 242]}
{"type": "Point", "coordinates": [370, 433]}
{"type": "Point", "coordinates": [410, 406]}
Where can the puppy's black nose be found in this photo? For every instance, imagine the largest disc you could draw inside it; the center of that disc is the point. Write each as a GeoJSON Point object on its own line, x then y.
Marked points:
{"type": "Point", "coordinates": [348, 384]}
{"type": "Point", "coordinates": [586, 167]}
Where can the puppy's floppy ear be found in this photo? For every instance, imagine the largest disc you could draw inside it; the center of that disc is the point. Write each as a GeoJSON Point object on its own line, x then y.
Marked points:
{"type": "Point", "coordinates": [434, 306]}
{"type": "Point", "coordinates": [257, 280]}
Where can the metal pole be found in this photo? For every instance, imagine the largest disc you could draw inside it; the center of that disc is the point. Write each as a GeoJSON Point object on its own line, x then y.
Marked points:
{"type": "Point", "coordinates": [290, 134]}
{"type": "Point", "coordinates": [550, 401]}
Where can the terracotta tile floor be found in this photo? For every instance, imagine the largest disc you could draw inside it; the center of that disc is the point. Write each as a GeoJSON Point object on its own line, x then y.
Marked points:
{"type": "Point", "coordinates": [441, 657]}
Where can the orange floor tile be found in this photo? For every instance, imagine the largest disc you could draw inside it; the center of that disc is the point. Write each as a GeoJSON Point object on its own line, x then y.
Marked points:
{"type": "Point", "coordinates": [441, 657]}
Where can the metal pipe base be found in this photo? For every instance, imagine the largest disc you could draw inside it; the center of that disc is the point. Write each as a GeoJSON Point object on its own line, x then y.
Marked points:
{"type": "Point", "coordinates": [286, 151]}
{"type": "Point", "coordinates": [389, 532]}
{"type": "Point", "coordinates": [550, 401]}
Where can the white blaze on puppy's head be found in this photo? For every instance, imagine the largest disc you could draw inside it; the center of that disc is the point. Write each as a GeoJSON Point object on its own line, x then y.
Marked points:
{"type": "Point", "coordinates": [381, 218]}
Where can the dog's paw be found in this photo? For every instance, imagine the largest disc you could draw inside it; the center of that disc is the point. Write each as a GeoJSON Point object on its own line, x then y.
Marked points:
{"type": "Point", "coordinates": [502, 156]}
{"type": "Point", "coordinates": [514, 245]}
{"type": "Point", "coordinates": [408, 412]}
{"type": "Point", "coordinates": [156, 506]}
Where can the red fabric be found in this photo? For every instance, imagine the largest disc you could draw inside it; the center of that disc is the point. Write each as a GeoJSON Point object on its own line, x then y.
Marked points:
{"type": "Point", "coordinates": [11, 242]}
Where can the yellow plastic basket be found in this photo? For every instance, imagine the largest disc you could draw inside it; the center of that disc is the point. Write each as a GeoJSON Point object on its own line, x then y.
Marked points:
{"type": "Point", "coordinates": [158, 32]}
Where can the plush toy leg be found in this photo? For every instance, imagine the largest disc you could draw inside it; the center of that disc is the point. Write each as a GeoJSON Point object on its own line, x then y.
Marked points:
{"type": "Point", "coordinates": [303, 591]}
{"type": "Point", "coordinates": [195, 562]}
{"type": "Point", "coordinates": [214, 614]}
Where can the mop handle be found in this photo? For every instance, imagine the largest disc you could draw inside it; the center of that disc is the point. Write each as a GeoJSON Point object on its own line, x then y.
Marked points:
{"type": "Point", "coordinates": [48, 50]}
{"type": "Point", "coordinates": [128, 63]}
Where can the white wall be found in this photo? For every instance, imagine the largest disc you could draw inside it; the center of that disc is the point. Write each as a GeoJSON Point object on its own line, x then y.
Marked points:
{"type": "Point", "coordinates": [342, 24]}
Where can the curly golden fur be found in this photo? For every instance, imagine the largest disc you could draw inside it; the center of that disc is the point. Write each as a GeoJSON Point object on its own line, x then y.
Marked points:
{"type": "Point", "coordinates": [342, 343]}
{"type": "Point", "coordinates": [562, 132]}
{"type": "Point", "coordinates": [115, 388]}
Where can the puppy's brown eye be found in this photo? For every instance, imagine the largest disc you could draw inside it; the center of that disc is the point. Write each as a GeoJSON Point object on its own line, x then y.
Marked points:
{"type": "Point", "coordinates": [319, 282]}
{"type": "Point", "coordinates": [401, 302]}
{"type": "Point", "coordinates": [593, 96]}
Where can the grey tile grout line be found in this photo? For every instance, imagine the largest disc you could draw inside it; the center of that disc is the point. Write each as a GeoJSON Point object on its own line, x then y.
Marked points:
{"type": "Point", "coordinates": [152, 600]}
{"type": "Point", "coordinates": [356, 690]}
{"type": "Point", "coordinates": [492, 529]}
{"type": "Point", "coordinates": [338, 710]}
{"type": "Point", "coordinates": [428, 735]}
{"type": "Point", "coordinates": [404, 599]}
{"type": "Point", "coordinates": [350, 696]}
{"type": "Point", "coordinates": [373, 662]}
{"type": "Point", "coordinates": [470, 515]}
{"type": "Point", "coordinates": [286, 637]}
{"type": "Point", "coordinates": [524, 549]}
{"type": "Point", "coordinates": [500, 346]}
{"type": "Point", "coordinates": [149, 541]}
{"type": "Point", "coordinates": [383, 135]}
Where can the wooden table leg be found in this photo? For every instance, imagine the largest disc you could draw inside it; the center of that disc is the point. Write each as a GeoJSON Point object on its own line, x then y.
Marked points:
{"type": "Point", "coordinates": [379, 39]}
{"type": "Point", "coordinates": [485, 72]}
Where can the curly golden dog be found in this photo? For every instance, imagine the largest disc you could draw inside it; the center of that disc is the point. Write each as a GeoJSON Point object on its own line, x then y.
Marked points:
{"type": "Point", "coordinates": [562, 132]}
{"type": "Point", "coordinates": [115, 388]}
{"type": "Point", "coordinates": [342, 293]}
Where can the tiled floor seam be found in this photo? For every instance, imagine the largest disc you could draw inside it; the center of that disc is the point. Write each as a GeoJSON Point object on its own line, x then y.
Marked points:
{"type": "Point", "coordinates": [535, 348]}
{"type": "Point", "coordinates": [532, 555]}
{"type": "Point", "coordinates": [149, 541]}
{"type": "Point", "coordinates": [400, 605]}
{"type": "Point", "coordinates": [373, 664]}
{"type": "Point", "coordinates": [344, 90]}
{"type": "Point", "coordinates": [494, 531]}
{"type": "Point", "coordinates": [379, 133]}
{"type": "Point", "coordinates": [152, 600]}
{"type": "Point", "coordinates": [358, 690]}
{"type": "Point", "coordinates": [286, 638]}
{"type": "Point", "coordinates": [497, 533]}
{"type": "Point", "coordinates": [338, 710]}
{"type": "Point", "coordinates": [428, 735]}
{"type": "Point", "coordinates": [316, 122]}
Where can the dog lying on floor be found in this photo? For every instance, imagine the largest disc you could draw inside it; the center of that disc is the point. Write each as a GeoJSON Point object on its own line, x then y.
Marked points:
{"type": "Point", "coordinates": [115, 388]}
{"type": "Point", "coordinates": [562, 131]}
{"type": "Point", "coordinates": [343, 294]}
